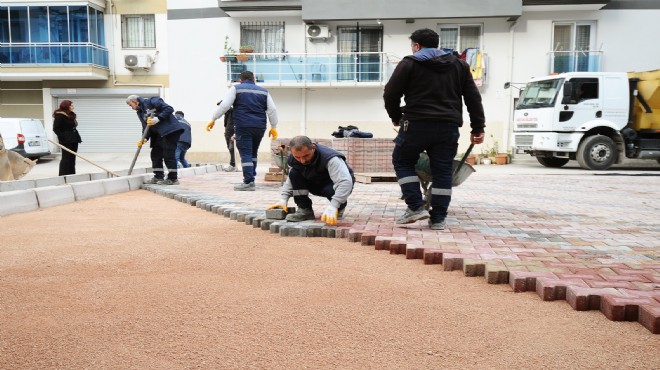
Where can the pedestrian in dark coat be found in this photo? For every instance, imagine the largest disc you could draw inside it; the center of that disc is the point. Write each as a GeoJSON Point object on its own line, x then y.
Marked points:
{"type": "Point", "coordinates": [185, 140]}
{"type": "Point", "coordinates": [64, 126]}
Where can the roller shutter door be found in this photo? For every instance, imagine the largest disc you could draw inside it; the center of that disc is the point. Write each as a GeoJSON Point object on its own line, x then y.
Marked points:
{"type": "Point", "coordinates": [106, 124]}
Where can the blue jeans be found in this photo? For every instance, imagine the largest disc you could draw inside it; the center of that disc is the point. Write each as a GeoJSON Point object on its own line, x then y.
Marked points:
{"type": "Point", "coordinates": [440, 141]}
{"type": "Point", "coordinates": [180, 154]}
{"type": "Point", "coordinates": [247, 143]}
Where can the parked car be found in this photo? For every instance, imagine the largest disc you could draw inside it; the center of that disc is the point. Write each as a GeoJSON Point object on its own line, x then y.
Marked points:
{"type": "Point", "coordinates": [26, 136]}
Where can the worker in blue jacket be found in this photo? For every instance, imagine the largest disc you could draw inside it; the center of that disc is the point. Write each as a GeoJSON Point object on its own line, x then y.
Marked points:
{"type": "Point", "coordinates": [185, 141]}
{"type": "Point", "coordinates": [164, 132]}
{"type": "Point", "coordinates": [252, 104]}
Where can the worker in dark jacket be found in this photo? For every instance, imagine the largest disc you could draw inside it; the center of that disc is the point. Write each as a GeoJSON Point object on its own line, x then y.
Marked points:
{"type": "Point", "coordinates": [251, 105]}
{"type": "Point", "coordinates": [434, 84]}
{"type": "Point", "coordinates": [185, 141]}
{"type": "Point", "coordinates": [64, 126]}
{"type": "Point", "coordinates": [318, 170]}
{"type": "Point", "coordinates": [164, 132]}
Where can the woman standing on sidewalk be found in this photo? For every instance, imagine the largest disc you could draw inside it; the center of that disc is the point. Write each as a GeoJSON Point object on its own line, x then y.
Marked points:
{"type": "Point", "coordinates": [64, 126]}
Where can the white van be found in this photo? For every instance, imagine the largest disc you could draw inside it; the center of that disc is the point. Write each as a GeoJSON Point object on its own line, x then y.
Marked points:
{"type": "Point", "coordinates": [26, 136]}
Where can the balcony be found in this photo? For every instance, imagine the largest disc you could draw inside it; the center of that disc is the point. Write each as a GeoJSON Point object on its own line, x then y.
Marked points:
{"type": "Point", "coordinates": [51, 61]}
{"type": "Point", "coordinates": [574, 61]}
{"type": "Point", "coordinates": [300, 70]}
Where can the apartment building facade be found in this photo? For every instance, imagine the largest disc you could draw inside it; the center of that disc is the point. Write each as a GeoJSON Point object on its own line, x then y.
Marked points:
{"type": "Point", "coordinates": [325, 63]}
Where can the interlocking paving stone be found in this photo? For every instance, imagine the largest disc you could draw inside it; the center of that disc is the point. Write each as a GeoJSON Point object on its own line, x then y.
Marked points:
{"type": "Point", "coordinates": [561, 236]}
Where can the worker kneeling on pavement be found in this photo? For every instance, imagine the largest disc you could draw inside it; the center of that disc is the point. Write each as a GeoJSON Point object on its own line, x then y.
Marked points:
{"type": "Point", "coordinates": [318, 170]}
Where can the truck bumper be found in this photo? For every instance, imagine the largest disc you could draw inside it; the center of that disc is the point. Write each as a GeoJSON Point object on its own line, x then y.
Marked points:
{"type": "Point", "coordinates": [547, 141]}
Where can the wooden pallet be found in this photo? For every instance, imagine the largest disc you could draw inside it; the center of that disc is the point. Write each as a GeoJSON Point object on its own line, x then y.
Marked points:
{"type": "Point", "coordinates": [369, 177]}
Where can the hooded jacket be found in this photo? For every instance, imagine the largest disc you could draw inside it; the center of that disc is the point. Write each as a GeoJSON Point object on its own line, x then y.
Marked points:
{"type": "Point", "coordinates": [434, 84]}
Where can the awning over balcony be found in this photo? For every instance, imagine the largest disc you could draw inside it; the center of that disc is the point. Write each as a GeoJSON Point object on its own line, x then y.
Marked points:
{"type": "Point", "coordinates": [316, 10]}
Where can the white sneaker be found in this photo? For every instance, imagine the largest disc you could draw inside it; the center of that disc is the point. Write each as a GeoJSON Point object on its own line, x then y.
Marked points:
{"type": "Point", "coordinates": [229, 168]}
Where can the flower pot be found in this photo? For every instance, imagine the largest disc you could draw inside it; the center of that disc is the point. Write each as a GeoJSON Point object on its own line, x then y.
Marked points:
{"type": "Point", "coordinates": [246, 50]}
{"type": "Point", "coordinates": [471, 160]}
{"type": "Point", "coordinates": [242, 57]}
{"type": "Point", "coordinates": [501, 159]}
{"type": "Point", "coordinates": [485, 161]}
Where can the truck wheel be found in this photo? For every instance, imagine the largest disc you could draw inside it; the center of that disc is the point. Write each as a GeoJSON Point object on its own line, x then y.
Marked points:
{"type": "Point", "coordinates": [552, 162]}
{"type": "Point", "coordinates": [597, 152]}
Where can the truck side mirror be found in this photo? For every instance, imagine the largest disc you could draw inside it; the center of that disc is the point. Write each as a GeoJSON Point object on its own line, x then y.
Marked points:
{"type": "Point", "coordinates": [568, 92]}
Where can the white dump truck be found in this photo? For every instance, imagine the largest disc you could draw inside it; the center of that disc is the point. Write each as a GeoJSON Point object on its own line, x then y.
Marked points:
{"type": "Point", "coordinates": [596, 118]}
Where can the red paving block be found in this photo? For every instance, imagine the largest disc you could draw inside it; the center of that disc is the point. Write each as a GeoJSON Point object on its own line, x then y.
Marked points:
{"type": "Point", "coordinates": [585, 299]}
{"type": "Point", "coordinates": [414, 252]}
{"type": "Point", "coordinates": [368, 238]}
{"type": "Point", "coordinates": [631, 278]}
{"type": "Point", "coordinates": [618, 308]}
{"type": "Point", "coordinates": [649, 317]}
{"type": "Point", "coordinates": [355, 236]}
{"type": "Point", "coordinates": [383, 242]}
{"type": "Point", "coordinates": [554, 289]}
{"type": "Point", "coordinates": [609, 284]}
{"type": "Point", "coordinates": [522, 281]}
{"type": "Point", "coordinates": [398, 247]}
{"type": "Point", "coordinates": [432, 256]}
{"type": "Point", "coordinates": [452, 261]}
{"type": "Point", "coordinates": [496, 274]}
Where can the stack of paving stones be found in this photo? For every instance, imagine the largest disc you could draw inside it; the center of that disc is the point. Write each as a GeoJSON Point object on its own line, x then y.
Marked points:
{"type": "Point", "coordinates": [563, 237]}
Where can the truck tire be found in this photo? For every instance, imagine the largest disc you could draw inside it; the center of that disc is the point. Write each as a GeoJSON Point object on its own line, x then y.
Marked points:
{"type": "Point", "coordinates": [597, 152]}
{"type": "Point", "coordinates": [552, 162]}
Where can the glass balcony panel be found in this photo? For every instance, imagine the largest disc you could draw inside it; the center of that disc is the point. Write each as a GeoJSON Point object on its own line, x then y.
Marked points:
{"type": "Point", "coordinates": [19, 24]}
{"type": "Point", "coordinates": [39, 23]}
{"type": "Point", "coordinates": [59, 29]}
{"type": "Point", "coordinates": [575, 61]}
{"type": "Point", "coordinates": [78, 25]}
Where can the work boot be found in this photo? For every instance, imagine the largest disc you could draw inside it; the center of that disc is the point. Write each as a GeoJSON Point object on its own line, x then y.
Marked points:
{"type": "Point", "coordinates": [410, 216]}
{"type": "Point", "coordinates": [302, 214]}
{"type": "Point", "coordinates": [168, 182]}
{"type": "Point", "coordinates": [440, 225]}
{"type": "Point", "coordinates": [153, 180]}
{"type": "Point", "coordinates": [245, 187]}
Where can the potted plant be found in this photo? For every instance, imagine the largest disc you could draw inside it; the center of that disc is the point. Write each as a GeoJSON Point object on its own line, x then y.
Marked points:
{"type": "Point", "coordinates": [246, 49]}
{"type": "Point", "coordinates": [230, 53]}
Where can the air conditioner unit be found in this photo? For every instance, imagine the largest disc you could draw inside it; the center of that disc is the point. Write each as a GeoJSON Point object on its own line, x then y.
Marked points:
{"type": "Point", "coordinates": [143, 61]}
{"type": "Point", "coordinates": [316, 32]}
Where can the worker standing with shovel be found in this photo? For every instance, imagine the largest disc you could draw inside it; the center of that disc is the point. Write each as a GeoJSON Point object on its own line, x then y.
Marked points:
{"type": "Point", "coordinates": [163, 129]}
{"type": "Point", "coordinates": [434, 84]}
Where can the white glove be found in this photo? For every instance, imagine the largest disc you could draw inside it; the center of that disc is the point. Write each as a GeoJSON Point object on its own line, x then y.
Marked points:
{"type": "Point", "coordinates": [282, 204]}
{"type": "Point", "coordinates": [330, 215]}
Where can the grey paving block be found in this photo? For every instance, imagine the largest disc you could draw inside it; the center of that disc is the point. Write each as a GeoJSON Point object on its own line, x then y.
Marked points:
{"type": "Point", "coordinates": [50, 196]}
{"type": "Point", "coordinates": [135, 181]}
{"type": "Point", "coordinates": [186, 172]}
{"type": "Point", "coordinates": [199, 170]}
{"type": "Point", "coordinates": [275, 226]}
{"type": "Point", "coordinates": [17, 185]}
{"type": "Point", "coordinates": [77, 178]}
{"type": "Point", "coordinates": [98, 176]}
{"type": "Point", "coordinates": [211, 168]}
{"type": "Point", "coordinates": [329, 231]}
{"type": "Point", "coordinates": [115, 185]}
{"type": "Point", "coordinates": [49, 181]}
{"type": "Point", "coordinates": [265, 224]}
{"type": "Point", "coordinates": [313, 231]}
{"type": "Point", "coordinates": [233, 215]}
{"type": "Point", "coordinates": [88, 190]}
{"type": "Point", "coordinates": [275, 214]}
{"type": "Point", "coordinates": [18, 201]}
{"type": "Point", "coordinates": [256, 222]}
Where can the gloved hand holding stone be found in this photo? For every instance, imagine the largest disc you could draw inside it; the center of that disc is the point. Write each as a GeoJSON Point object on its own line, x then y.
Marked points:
{"type": "Point", "coordinates": [330, 215]}
{"type": "Point", "coordinates": [282, 204]}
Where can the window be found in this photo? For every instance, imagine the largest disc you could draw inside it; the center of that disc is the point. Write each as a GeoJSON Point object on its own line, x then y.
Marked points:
{"type": "Point", "coordinates": [572, 47]}
{"type": "Point", "coordinates": [138, 31]}
{"type": "Point", "coordinates": [359, 40]}
{"type": "Point", "coordinates": [460, 37]}
{"type": "Point", "coordinates": [263, 37]}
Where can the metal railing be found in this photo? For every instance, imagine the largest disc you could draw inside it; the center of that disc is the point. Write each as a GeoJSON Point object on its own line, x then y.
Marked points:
{"type": "Point", "coordinates": [54, 54]}
{"type": "Point", "coordinates": [300, 69]}
{"type": "Point", "coordinates": [574, 61]}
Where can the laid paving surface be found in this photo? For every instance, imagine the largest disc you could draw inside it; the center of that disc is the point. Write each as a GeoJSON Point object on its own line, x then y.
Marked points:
{"type": "Point", "coordinates": [591, 239]}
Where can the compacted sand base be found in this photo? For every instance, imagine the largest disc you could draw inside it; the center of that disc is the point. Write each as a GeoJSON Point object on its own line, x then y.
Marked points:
{"type": "Point", "coordinates": [140, 281]}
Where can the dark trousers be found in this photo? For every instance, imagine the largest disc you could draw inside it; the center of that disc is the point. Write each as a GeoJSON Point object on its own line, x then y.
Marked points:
{"type": "Point", "coordinates": [302, 187]}
{"type": "Point", "coordinates": [163, 149]}
{"type": "Point", "coordinates": [230, 146]}
{"type": "Point", "coordinates": [247, 142]}
{"type": "Point", "coordinates": [440, 141]}
{"type": "Point", "coordinates": [68, 161]}
{"type": "Point", "coordinates": [180, 154]}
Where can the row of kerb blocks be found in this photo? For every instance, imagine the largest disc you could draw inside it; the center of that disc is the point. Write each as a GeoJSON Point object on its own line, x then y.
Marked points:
{"type": "Point", "coordinates": [363, 155]}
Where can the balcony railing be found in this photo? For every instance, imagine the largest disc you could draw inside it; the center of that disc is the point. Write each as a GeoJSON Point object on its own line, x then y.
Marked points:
{"type": "Point", "coordinates": [54, 54]}
{"type": "Point", "coordinates": [300, 69]}
{"type": "Point", "coordinates": [574, 61]}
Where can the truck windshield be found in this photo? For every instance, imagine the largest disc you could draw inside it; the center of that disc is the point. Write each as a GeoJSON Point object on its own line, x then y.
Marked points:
{"type": "Point", "coordinates": [539, 94]}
